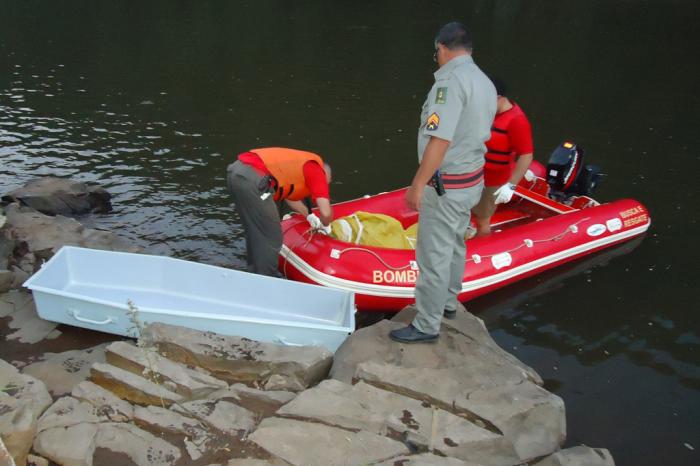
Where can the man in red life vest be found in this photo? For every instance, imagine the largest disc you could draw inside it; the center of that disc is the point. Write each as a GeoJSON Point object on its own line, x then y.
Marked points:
{"type": "Point", "coordinates": [508, 156]}
{"type": "Point", "coordinates": [262, 177]}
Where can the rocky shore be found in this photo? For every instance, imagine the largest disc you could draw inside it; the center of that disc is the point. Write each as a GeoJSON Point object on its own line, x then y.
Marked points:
{"type": "Point", "coordinates": [182, 397]}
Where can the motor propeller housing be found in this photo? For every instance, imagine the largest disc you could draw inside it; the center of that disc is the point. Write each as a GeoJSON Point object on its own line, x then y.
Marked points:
{"type": "Point", "coordinates": [567, 175]}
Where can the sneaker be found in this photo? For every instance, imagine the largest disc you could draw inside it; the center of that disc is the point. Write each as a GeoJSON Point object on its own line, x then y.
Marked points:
{"type": "Point", "coordinates": [450, 313]}
{"type": "Point", "coordinates": [411, 334]}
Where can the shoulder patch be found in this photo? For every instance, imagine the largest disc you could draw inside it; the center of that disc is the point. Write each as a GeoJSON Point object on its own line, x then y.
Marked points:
{"type": "Point", "coordinates": [441, 95]}
{"type": "Point", "coordinates": [433, 122]}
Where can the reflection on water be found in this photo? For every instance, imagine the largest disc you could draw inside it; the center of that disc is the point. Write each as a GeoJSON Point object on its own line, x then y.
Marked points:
{"type": "Point", "coordinates": [153, 100]}
{"type": "Point", "coordinates": [658, 344]}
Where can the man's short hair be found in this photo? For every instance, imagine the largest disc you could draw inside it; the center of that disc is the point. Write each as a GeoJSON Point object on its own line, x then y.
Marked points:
{"type": "Point", "coordinates": [500, 86]}
{"type": "Point", "coordinates": [454, 35]}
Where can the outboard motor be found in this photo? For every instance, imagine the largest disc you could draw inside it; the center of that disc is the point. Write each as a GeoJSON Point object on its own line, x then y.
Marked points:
{"type": "Point", "coordinates": [567, 175]}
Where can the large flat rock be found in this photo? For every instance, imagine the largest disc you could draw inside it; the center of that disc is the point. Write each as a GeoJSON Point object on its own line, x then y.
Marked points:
{"type": "Point", "coordinates": [262, 402]}
{"type": "Point", "coordinates": [424, 459]}
{"type": "Point", "coordinates": [221, 415]}
{"type": "Point", "coordinates": [191, 435]}
{"type": "Point", "coordinates": [578, 456]}
{"type": "Point", "coordinates": [22, 400]}
{"type": "Point", "coordinates": [45, 234]}
{"type": "Point", "coordinates": [105, 402]}
{"type": "Point", "coordinates": [237, 359]}
{"type": "Point", "coordinates": [174, 376]}
{"type": "Point", "coordinates": [141, 447]}
{"type": "Point", "coordinates": [51, 196]}
{"type": "Point", "coordinates": [464, 373]}
{"type": "Point", "coordinates": [5, 457]}
{"type": "Point", "coordinates": [27, 325]}
{"type": "Point", "coordinates": [60, 372]}
{"type": "Point", "coordinates": [68, 446]}
{"type": "Point", "coordinates": [363, 407]}
{"type": "Point", "coordinates": [310, 444]}
{"type": "Point", "coordinates": [131, 387]}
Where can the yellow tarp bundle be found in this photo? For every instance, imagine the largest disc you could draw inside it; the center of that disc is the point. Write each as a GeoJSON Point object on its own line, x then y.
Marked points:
{"type": "Point", "coordinates": [378, 230]}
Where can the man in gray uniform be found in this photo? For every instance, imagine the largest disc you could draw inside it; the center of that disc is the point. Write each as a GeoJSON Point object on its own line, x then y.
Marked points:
{"type": "Point", "coordinates": [455, 123]}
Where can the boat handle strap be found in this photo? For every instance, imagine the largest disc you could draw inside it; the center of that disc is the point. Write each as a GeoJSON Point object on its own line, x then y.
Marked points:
{"type": "Point", "coordinates": [75, 315]}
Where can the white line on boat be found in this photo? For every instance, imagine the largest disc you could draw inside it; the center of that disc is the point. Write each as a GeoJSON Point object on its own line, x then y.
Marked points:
{"type": "Point", "coordinates": [409, 291]}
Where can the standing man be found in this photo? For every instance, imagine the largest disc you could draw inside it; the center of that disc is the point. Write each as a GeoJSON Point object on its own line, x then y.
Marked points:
{"type": "Point", "coordinates": [261, 178]}
{"type": "Point", "coordinates": [455, 122]}
{"type": "Point", "coordinates": [508, 157]}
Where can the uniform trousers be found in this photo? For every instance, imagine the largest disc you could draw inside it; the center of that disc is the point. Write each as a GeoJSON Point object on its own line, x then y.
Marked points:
{"type": "Point", "coordinates": [441, 252]}
{"type": "Point", "coordinates": [260, 218]}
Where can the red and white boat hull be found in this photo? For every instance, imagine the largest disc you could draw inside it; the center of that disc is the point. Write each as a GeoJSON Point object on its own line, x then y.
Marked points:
{"type": "Point", "coordinates": [530, 235]}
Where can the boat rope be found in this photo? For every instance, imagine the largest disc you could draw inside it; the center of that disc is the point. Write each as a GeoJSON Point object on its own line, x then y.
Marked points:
{"type": "Point", "coordinates": [573, 228]}
{"type": "Point", "coordinates": [379, 258]}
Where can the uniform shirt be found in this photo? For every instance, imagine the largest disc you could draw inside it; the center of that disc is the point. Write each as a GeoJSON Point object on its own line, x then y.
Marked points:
{"type": "Point", "coordinates": [314, 175]}
{"type": "Point", "coordinates": [459, 108]}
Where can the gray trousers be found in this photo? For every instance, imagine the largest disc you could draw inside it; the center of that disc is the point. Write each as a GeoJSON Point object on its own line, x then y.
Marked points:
{"type": "Point", "coordinates": [440, 253]}
{"type": "Point", "coordinates": [261, 219]}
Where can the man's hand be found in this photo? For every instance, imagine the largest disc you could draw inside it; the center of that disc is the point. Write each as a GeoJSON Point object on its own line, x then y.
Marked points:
{"type": "Point", "coordinates": [504, 193]}
{"type": "Point", "coordinates": [317, 225]}
{"type": "Point", "coordinates": [414, 194]}
{"type": "Point", "coordinates": [314, 221]}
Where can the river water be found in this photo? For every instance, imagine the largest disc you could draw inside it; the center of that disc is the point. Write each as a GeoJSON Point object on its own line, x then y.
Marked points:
{"type": "Point", "coordinates": [152, 100]}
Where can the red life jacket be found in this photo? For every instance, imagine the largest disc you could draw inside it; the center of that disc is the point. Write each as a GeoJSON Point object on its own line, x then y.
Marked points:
{"type": "Point", "coordinates": [287, 167]}
{"type": "Point", "coordinates": [498, 149]}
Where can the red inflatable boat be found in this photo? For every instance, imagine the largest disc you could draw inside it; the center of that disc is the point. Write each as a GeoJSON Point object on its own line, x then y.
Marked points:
{"type": "Point", "coordinates": [532, 233]}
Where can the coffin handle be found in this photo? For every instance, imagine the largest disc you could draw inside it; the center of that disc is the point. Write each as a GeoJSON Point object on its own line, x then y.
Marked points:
{"type": "Point", "coordinates": [75, 315]}
{"type": "Point", "coordinates": [286, 342]}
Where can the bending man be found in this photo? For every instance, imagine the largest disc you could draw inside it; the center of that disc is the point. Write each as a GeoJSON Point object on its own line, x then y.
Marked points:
{"type": "Point", "coordinates": [508, 156]}
{"type": "Point", "coordinates": [261, 178]}
{"type": "Point", "coordinates": [454, 125]}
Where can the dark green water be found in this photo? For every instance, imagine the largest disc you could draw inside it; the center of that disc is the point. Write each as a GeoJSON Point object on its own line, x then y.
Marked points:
{"type": "Point", "coordinates": [153, 100]}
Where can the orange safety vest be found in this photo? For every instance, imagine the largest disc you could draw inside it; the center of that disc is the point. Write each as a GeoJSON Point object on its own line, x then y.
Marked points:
{"type": "Point", "coordinates": [287, 167]}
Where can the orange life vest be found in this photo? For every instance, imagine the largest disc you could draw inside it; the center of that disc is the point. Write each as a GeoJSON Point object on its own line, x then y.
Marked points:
{"type": "Point", "coordinates": [287, 167]}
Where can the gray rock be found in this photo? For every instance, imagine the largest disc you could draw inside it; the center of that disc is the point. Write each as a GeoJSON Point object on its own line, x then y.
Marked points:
{"type": "Point", "coordinates": [467, 332]}
{"type": "Point", "coordinates": [105, 402]}
{"type": "Point", "coordinates": [255, 462]}
{"type": "Point", "coordinates": [367, 408]}
{"type": "Point", "coordinates": [5, 457]}
{"type": "Point", "coordinates": [425, 459]}
{"type": "Point", "coordinates": [33, 460]}
{"type": "Point", "coordinates": [23, 388]}
{"type": "Point", "coordinates": [531, 418]}
{"type": "Point", "coordinates": [192, 434]}
{"type": "Point", "coordinates": [7, 279]}
{"type": "Point", "coordinates": [28, 326]}
{"type": "Point", "coordinates": [62, 371]}
{"type": "Point", "coordinates": [308, 444]}
{"type": "Point", "coordinates": [476, 380]}
{"type": "Point", "coordinates": [68, 446]}
{"type": "Point", "coordinates": [131, 387]}
{"type": "Point", "coordinates": [578, 456]}
{"type": "Point", "coordinates": [237, 359]}
{"type": "Point", "coordinates": [472, 327]}
{"type": "Point", "coordinates": [143, 448]}
{"type": "Point", "coordinates": [262, 402]}
{"type": "Point", "coordinates": [17, 428]}
{"type": "Point", "coordinates": [68, 411]}
{"type": "Point", "coordinates": [12, 301]}
{"type": "Point", "coordinates": [45, 235]}
{"type": "Point", "coordinates": [222, 415]}
{"type": "Point", "coordinates": [53, 196]}
{"type": "Point", "coordinates": [174, 376]}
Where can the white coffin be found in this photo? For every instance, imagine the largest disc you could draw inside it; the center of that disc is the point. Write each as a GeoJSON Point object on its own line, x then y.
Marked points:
{"type": "Point", "coordinates": [92, 288]}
